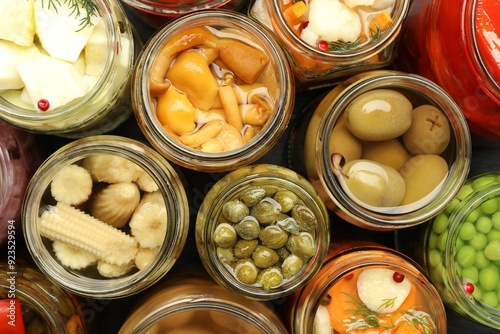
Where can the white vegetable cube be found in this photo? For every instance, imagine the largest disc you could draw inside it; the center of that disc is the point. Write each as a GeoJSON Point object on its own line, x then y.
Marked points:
{"type": "Point", "coordinates": [17, 23]}
{"type": "Point", "coordinates": [60, 31]}
{"type": "Point", "coordinates": [54, 80]}
{"type": "Point", "coordinates": [354, 3]}
{"type": "Point", "coordinates": [14, 96]}
{"type": "Point", "coordinates": [10, 55]}
{"type": "Point", "coordinates": [97, 50]}
{"type": "Point", "coordinates": [333, 21]}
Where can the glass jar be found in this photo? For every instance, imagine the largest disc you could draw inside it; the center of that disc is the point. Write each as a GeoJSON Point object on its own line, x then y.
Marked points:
{"type": "Point", "coordinates": [105, 217]}
{"type": "Point", "coordinates": [456, 44]}
{"type": "Point", "coordinates": [262, 231]}
{"type": "Point", "coordinates": [459, 250]}
{"type": "Point", "coordinates": [338, 151]}
{"type": "Point", "coordinates": [157, 13]}
{"type": "Point", "coordinates": [190, 302]}
{"type": "Point", "coordinates": [356, 282]}
{"type": "Point", "coordinates": [317, 60]}
{"type": "Point", "coordinates": [92, 96]}
{"type": "Point", "coordinates": [38, 305]}
{"type": "Point", "coordinates": [20, 156]}
{"type": "Point", "coordinates": [227, 115]}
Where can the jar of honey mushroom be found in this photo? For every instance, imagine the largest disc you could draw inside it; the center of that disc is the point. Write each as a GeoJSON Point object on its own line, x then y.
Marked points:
{"type": "Point", "coordinates": [105, 216]}
{"type": "Point", "coordinates": [385, 149]}
{"type": "Point", "coordinates": [328, 40]}
{"type": "Point", "coordinates": [212, 91]}
{"type": "Point", "coordinates": [364, 287]}
{"type": "Point", "coordinates": [190, 302]}
{"type": "Point", "coordinates": [457, 45]}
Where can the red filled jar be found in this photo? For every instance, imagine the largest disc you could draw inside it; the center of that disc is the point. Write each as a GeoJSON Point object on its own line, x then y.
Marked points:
{"type": "Point", "coordinates": [457, 45]}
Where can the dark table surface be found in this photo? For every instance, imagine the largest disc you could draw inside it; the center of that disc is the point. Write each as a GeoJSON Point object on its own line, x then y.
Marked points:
{"type": "Point", "coordinates": [112, 314]}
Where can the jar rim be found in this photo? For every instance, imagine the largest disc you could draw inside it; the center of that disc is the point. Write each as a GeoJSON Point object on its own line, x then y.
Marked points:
{"type": "Point", "coordinates": [174, 8]}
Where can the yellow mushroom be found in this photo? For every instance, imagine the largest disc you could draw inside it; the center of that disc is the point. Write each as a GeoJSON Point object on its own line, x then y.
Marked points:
{"type": "Point", "coordinates": [175, 110]}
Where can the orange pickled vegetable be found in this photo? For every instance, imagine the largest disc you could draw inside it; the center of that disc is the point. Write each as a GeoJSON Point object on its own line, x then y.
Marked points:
{"type": "Point", "coordinates": [175, 111]}
{"type": "Point", "coordinates": [293, 16]}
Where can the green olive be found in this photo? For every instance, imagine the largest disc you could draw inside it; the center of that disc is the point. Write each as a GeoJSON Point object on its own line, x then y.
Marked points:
{"type": "Point", "coordinates": [390, 152]}
{"type": "Point", "coordinates": [343, 142]}
{"type": "Point", "coordinates": [379, 114]}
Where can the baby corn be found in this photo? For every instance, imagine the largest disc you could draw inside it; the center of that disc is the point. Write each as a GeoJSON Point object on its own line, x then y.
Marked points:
{"type": "Point", "coordinates": [68, 224]}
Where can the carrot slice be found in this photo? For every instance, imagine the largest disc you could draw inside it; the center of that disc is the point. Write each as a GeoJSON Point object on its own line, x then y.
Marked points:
{"type": "Point", "coordinates": [293, 14]}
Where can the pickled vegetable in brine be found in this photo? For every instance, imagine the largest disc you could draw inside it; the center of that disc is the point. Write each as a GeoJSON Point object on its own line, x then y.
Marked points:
{"type": "Point", "coordinates": [374, 300]}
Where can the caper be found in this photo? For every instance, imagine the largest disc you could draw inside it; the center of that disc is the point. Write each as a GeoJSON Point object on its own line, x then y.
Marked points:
{"type": "Point", "coordinates": [252, 195]}
{"type": "Point", "coordinates": [234, 210]}
{"type": "Point", "coordinates": [273, 237]}
{"type": "Point", "coordinates": [271, 190]}
{"type": "Point", "coordinates": [283, 253]}
{"type": "Point", "coordinates": [291, 266]}
{"type": "Point", "coordinates": [224, 235]}
{"type": "Point", "coordinates": [248, 228]}
{"type": "Point", "coordinates": [266, 211]}
{"type": "Point", "coordinates": [270, 278]}
{"type": "Point", "coordinates": [286, 199]}
{"type": "Point", "coordinates": [226, 255]}
{"type": "Point", "coordinates": [264, 257]}
{"type": "Point", "coordinates": [305, 218]}
{"type": "Point", "coordinates": [288, 224]}
{"type": "Point", "coordinates": [245, 248]}
{"type": "Point", "coordinates": [245, 271]}
{"type": "Point", "coordinates": [302, 245]}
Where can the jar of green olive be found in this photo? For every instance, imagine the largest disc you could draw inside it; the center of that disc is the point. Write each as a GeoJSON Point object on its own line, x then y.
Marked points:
{"type": "Point", "coordinates": [31, 303]}
{"type": "Point", "coordinates": [212, 91]}
{"type": "Point", "coordinates": [262, 231]}
{"type": "Point", "coordinates": [105, 216]}
{"type": "Point", "coordinates": [385, 149]}
{"type": "Point", "coordinates": [191, 302]}
{"type": "Point", "coordinates": [364, 287]}
{"type": "Point", "coordinates": [460, 249]}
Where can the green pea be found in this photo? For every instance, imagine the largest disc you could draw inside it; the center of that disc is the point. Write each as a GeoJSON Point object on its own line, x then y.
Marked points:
{"type": "Point", "coordinates": [492, 250]}
{"type": "Point", "coordinates": [433, 240]}
{"type": "Point", "coordinates": [489, 278]}
{"type": "Point", "coordinates": [473, 216]}
{"type": "Point", "coordinates": [481, 260]}
{"type": "Point", "coordinates": [490, 206]}
{"type": "Point", "coordinates": [479, 241]}
{"type": "Point", "coordinates": [484, 224]}
{"type": "Point", "coordinates": [434, 258]}
{"type": "Point", "coordinates": [470, 273]}
{"type": "Point", "coordinates": [441, 241]}
{"type": "Point", "coordinates": [465, 191]}
{"type": "Point", "coordinates": [466, 256]}
{"type": "Point", "coordinates": [460, 243]}
{"type": "Point", "coordinates": [440, 223]}
{"type": "Point", "coordinates": [494, 234]}
{"type": "Point", "coordinates": [490, 298]}
{"type": "Point", "coordinates": [482, 181]}
{"type": "Point", "coordinates": [495, 219]}
{"type": "Point", "coordinates": [451, 207]}
{"type": "Point", "coordinates": [478, 293]}
{"type": "Point", "coordinates": [467, 231]}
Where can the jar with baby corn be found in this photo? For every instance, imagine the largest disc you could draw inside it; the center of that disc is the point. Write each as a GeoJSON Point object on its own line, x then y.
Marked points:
{"type": "Point", "coordinates": [67, 70]}
{"type": "Point", "coordinates": [262, 231]}
{"type": "Point", "coordinates": [105, 217]}
{"type": "Point", "coordinates": [385, 149]}
{"type": "Point", "coordinates": [213, 91]}
{"type": "Point", "coordinates": [460, 250]}
{"type": "Point", "coordinates": [190, 302]}
{"type": "Point", "coordinates": [364, 287]}
{"type": "Point", "coordinates": [327, 40]}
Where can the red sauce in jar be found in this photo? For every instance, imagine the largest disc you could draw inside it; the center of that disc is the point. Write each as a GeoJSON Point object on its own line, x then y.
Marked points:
{"type": "Point", "coordinates": [455, 43]}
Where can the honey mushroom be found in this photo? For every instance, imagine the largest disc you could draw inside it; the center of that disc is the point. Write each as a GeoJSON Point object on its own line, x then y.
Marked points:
{"type": "Point", "coordinates": [226, 105]}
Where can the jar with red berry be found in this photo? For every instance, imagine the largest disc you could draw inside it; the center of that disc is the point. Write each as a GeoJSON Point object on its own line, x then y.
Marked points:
{"type": "Point", "coordinates": [366, 287]}
{"type": "Point", "coordinates": [330, 39]}
{"type": "Point", "coordinates": [70, 75]}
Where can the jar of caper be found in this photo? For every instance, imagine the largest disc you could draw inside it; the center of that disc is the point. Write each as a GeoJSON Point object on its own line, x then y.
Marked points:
{"type": "Point", "coordinates": [262, 231]}
{"type": "Point", "coordinates": [385, 149]}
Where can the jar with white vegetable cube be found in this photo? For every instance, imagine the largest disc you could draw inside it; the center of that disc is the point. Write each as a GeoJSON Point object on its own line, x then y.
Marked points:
{"type": "Point", "coordinates": [65, 66]}
{"type": "Point", "coordinates": [330, 39]}
{"type": "Point", "coordinates": [105, 216]}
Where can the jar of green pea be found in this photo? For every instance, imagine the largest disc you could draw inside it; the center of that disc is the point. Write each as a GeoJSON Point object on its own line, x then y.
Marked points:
{"type": "Point", "coordinates": [460, 249]}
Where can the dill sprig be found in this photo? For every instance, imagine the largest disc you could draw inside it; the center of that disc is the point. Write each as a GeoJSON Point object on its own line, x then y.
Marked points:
{"type": "Point", "coordinates": [83, 9]}
{"type": "Point", "coordinates": [342, 46]}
